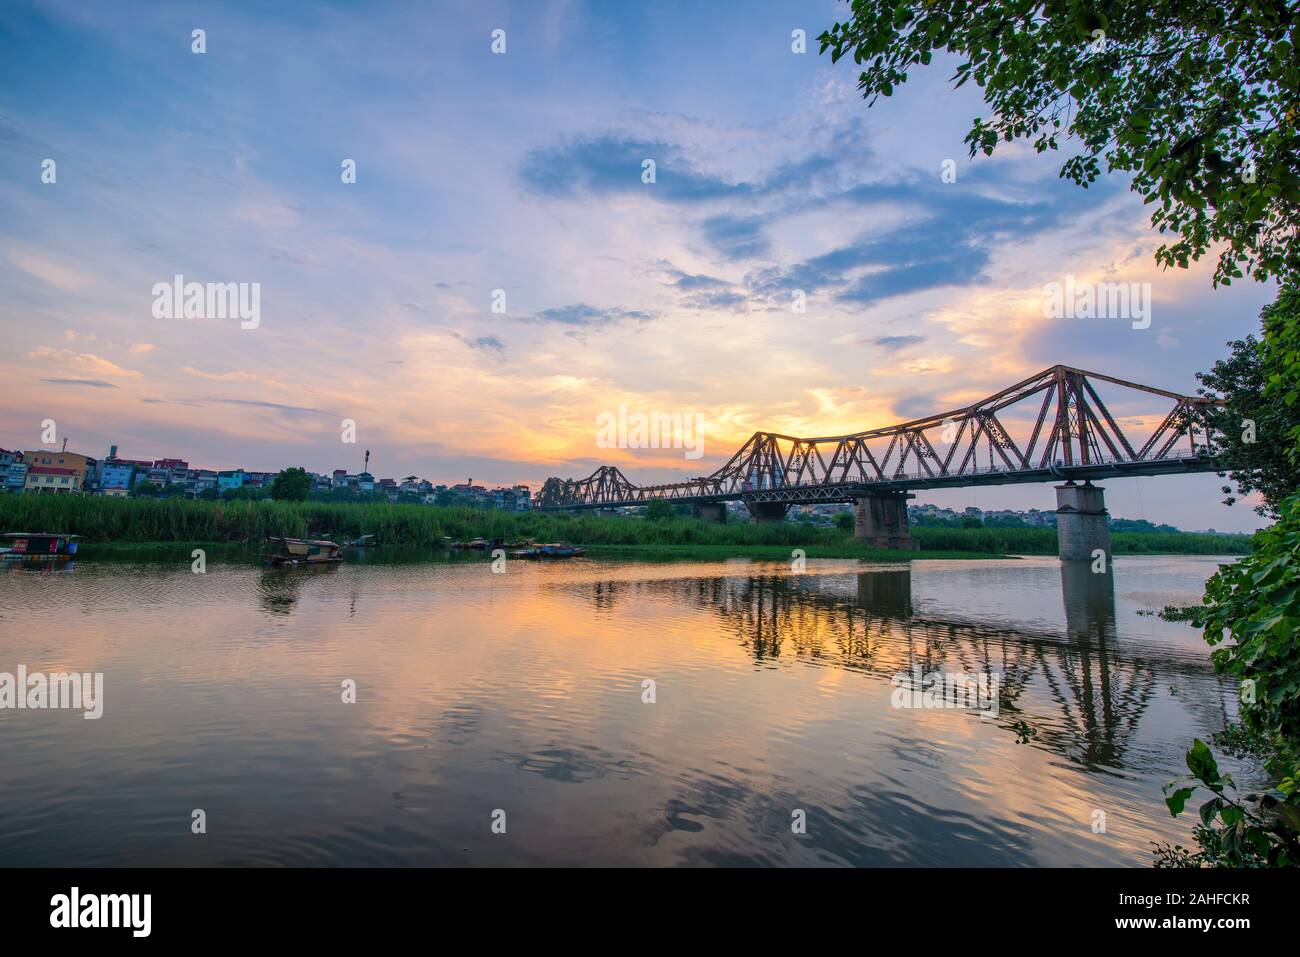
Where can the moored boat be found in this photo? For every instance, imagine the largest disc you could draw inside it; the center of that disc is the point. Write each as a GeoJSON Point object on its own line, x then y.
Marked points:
{"type": "Point", "coordinates": [303, 551]}
{"type": "Point", "coordinates": [552, 550]}
{"type": "Point", "coordinates": [39, 546]}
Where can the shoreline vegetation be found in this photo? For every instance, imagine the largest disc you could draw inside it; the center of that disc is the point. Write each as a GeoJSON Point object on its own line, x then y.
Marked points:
{"type": "Point", "coordinates": [120, 523]}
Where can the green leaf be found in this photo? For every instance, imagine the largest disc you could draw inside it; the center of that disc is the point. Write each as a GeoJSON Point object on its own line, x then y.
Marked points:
{"type": "Point", "coordinates": [1209, 809]}
{"type": "Point", "coordinates": [1200, 761]}
{"type": "Point", "coordinates": [1178, 800]}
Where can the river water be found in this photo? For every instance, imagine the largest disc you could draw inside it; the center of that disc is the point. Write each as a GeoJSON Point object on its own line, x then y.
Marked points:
{"type": "Point", "coordinates": [602, 711]}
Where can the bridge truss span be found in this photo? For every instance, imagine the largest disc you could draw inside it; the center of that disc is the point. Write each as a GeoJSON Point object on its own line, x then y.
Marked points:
{"type": "Point", "coordinates": [1053, 426]}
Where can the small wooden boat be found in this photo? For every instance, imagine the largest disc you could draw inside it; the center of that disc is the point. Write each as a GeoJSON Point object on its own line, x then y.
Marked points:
{"type": "Point", "coordinates": [303, 551]}
{"type": "Point", "coordinates": [552, 550]}
{"type": "Point", "coordinates": [39, 546]}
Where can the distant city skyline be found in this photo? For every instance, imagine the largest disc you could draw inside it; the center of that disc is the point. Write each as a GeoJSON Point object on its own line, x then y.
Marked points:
{"type": "Point", "coordinates": [523, 173]}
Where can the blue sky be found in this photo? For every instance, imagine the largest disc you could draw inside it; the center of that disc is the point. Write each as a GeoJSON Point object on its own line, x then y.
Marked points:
{"type": "Point", "coordinates": [522, 172]}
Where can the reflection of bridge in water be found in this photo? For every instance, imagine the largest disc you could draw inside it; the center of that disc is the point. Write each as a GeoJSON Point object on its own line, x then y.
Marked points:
{"type": "Point", "coordinates": [1089, 691]}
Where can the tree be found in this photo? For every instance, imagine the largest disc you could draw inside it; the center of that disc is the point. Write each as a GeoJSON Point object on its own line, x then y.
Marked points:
{"type": "Point", "coordinates": [844, 521]}
{"type": "Point", "coordinates": [1252, 610]}
{"type": "Point", "coordinates": [291, 485]}
{"type": "Point", "coordinates": [1254, 431]}
{"type": "Point", "coordinates": [658, 509]}
{"type": "Point", "coordinates": [1198, 102]}
{"type": "Point", "coordinates": [552, 492]}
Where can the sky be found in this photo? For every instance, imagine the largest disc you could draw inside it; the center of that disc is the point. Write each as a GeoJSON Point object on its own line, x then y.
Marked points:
{"type": "Point", "coordinates": [514, 180]}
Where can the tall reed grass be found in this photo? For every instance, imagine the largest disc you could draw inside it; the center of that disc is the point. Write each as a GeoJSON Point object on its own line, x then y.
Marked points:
{"type": "Point", "coordinates": [128, 520]}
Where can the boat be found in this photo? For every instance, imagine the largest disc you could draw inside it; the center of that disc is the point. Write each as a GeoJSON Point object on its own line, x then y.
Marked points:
{"type": "Point", "coordinates": [363, 541]}
{"type": "Point", "coordinates": [551, 550]}
{"type": "Point", "coordinates": [303, 551]}
{"type": "Point", "coordinates": [39, 546]}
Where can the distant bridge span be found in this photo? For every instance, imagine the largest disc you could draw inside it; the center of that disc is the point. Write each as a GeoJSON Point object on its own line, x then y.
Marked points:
{"type": "Point", "coordinates": [1073, 437]}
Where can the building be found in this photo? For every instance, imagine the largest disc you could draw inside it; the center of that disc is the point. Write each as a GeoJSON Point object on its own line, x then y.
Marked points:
{"type": "Point", "coordinates": [13, 473]}
{"type": "Point", "coordinates": [14, 476]}
{"type": "Point", "coordinates": [160, 477]}
{"type": "Point", "coordinates": [83, 466]}
{"type": "Point", "coordinates": [116, 475]}
{"type": "Point", "coordinates": [230, 479]}
{"type": "Point", "coordinates": [201, 480]}
{"type": "Point", "coordinates": [513, 499]}
{"type": "Point", "coordinates": [50, 479]}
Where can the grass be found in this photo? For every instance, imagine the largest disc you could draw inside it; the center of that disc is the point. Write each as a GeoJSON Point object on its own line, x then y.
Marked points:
{"type": "Point", "coordinates": [145, 520]}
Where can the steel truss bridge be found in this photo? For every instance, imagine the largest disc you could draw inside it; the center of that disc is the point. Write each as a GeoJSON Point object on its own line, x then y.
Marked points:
{"type": "Point", "coordinates": [1073, 437]}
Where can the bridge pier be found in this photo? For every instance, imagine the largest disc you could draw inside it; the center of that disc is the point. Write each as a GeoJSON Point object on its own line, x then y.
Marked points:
{"type": "Point", "coordinates": [767, 511]}
{"type": "Point", "coordinates": [711, 512]}
{"type": "Point", "coordinates": [1081, 525]}
{"type": "Point", "coordinates": [880, 520]}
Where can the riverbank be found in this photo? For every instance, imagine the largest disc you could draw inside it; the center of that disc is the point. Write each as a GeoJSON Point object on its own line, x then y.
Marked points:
{"type": "Point", "coordinates": [170, 552]}
{"type": "Point", "coordinates": [149, 521]}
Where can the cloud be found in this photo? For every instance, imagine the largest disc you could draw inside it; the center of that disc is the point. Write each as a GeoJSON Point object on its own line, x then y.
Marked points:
{"type": "Point", "coordinates": [687, 281]}
{"type": "Point", "coordinates": [276, 406]}
{"type": "Point", "coordinates": [47, 270]}
{"type": "Point", "coordinates": [916, 407]}
{"type": "Point", "coordinates": [946, 238]}
{"type": "Point", "coordinates": [92, 383]}
{"type": "Point", "coordinates": [895, 343]}
{"type": "Point", "coordinates": [700, 291]}
{"type": "Point", "coordinates": [610, 164]}
{"type": "Point", "coordinates": [233, 376]}
{"type": "Point", "coordinates": [483, 343]}
{"type": "Point", "coordinates": [581, 314]}
{"type": "Point", "coordinates": [736, 237]}
{"type": "Point", "coordinates": [85, 360]}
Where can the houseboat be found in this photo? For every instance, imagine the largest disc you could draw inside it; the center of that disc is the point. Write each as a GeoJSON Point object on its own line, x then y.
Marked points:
{"type": "Point", "coordinates": [38, 546]}
{"type": "Point", "coordinates": [302, 551]}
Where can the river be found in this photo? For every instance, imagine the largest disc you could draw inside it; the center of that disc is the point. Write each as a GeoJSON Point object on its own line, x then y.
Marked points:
{"type": "Point", "coordinates": [602, 711]}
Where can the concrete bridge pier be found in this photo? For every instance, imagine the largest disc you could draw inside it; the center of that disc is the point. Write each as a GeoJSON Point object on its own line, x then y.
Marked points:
{"type": "Point", "coordinates": [1081, 525]}
{"type": "Point", "coordinates": [711, 512]}
{"type": "Point", "coordinates": [880, 519]}
{"type": "Point", "coordinates": [767, 511]}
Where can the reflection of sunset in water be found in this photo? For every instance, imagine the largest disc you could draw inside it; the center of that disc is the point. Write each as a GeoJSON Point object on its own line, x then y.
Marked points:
{"type": "Point", "coordinates": [523, 691]}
